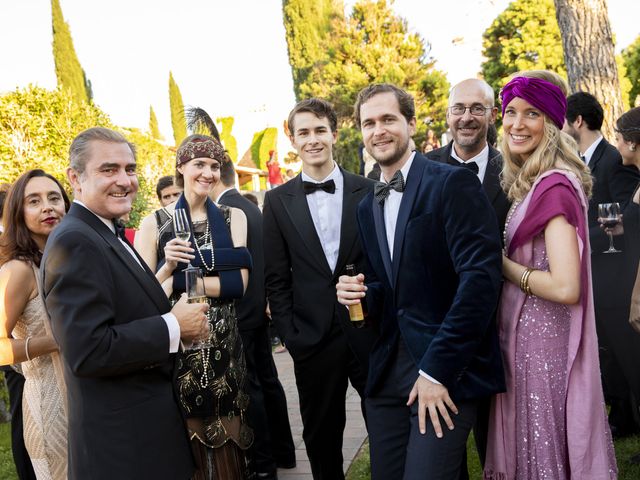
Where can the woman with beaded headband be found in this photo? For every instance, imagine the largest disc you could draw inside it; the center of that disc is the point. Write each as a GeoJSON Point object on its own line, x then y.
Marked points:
{"type": "Point", "coordinates": [210, 380]}
{"type": "Point", "coordinates": [628, 144]}
{"type": "Point", "coordinates": [551, 422]}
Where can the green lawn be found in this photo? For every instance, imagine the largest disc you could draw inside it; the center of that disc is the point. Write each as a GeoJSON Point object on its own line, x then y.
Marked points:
{"type": "Point", "coordinates": [625, 449]}
{"type": "Point", "coordinates": [7, 469]}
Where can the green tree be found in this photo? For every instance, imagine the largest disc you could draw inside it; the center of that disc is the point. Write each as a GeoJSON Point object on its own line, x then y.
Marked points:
{"type": "Point", "coordinates": [69, 73]}
{"type": "Point", "coordinates": [154, 129]}
{"type": "Point", "coordinates": [374, 45]}
{"type": "Point", "coordinates": [307, 23]}
{"type": "Point", "coordinates": [178, 122]}
{"type": "Point", "coordinates": [631, 57]}
{"type": "Point", "coordinates": [525, 36]}
{"type": "Point", "coordinates": [227, 138]}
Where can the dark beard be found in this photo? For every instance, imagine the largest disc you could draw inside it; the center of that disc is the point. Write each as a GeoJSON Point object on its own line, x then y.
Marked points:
{"type": "Point", "coordinates": [400, 152]}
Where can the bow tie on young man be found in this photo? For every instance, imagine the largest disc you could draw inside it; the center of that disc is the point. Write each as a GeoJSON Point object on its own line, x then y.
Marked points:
{"type": "Point", "coordinates": [329, 186]}
{"type": "Point", "coordinates": [473, 166]}
{"type": "Point", "coordinates": [381, 190]}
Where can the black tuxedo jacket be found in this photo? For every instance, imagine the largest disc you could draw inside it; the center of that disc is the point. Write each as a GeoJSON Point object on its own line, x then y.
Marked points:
{"type": "Point", "coordinates": [441, 289]}
{"type": "Point", "coordinates": [613, 274]}
{"type": "Point", "coordinates": [251, 307]}
{"type": "Point", "coordinates": [300, 285]}
{"type": "Point", "coordinates": [490, 182]}
{"type": "Point", "coordinates": [124, 420]}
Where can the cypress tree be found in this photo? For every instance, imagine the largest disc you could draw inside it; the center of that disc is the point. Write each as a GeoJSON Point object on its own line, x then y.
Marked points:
{"type": "Point", "coordinates": [307, 22]}
{"type": "Point", "coordinates": [154, 129]}
{"type": "Point", "coordinates": [69, 73]}
{"type": "Point", "coordinates": [178, 121]}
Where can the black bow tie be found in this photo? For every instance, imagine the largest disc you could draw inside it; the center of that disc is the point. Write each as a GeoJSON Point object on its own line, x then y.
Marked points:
{"type": "Point", "coordinates": [309, 187]}
{"type": "Point", "coordinates": [473, 166]}
{"type": "Point", "coordinates": [119, 225]}
{"type": "Point", "coordinates": [381, 190]}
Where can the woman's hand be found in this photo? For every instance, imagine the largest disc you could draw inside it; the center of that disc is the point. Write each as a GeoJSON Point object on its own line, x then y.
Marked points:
{"type": "Point", "coordinates": [175, 251]}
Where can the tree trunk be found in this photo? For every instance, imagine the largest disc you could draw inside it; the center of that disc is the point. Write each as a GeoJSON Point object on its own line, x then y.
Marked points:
{"type": "Point", "coordinates": [589, 55]}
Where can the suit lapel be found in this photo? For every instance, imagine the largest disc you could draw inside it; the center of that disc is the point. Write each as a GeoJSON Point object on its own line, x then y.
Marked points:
{"type": "Point", "coordinates": [414, 179]}
{"type": "Point", "coordinates": [597, 155]}
{"type": "Point", "coordinates": [144, 276]}
{"type": "Point", "coordinates": [491, 181]}
{"type": "Point", "coordinates": [348, 227]}
{"type": "Point", "coordinates": [296, 206]}
{"type": "Point", "coordinates": [381, 235]}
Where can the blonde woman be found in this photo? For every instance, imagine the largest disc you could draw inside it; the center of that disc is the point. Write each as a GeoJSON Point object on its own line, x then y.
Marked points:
{"type": "Point", "coordinates": [551, 422]}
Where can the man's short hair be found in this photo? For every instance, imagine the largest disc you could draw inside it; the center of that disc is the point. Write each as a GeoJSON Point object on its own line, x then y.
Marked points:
{"type": "Point", "coordinates": [405, 100]}
{"type": "Point", "coordinates": [80, 147]}
{"type": "Point", "coordinates": [586, 105]}
{"type": "Point", "coordinates": [227, 174]}
{"type": "Point", "coordinates": [319, 107]}
{"type": "Point", "coordinates": [163, 183]}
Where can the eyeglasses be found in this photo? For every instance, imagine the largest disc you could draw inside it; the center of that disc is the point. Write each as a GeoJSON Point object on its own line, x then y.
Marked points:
{"type": "Point", "coordinates": [475, 110]}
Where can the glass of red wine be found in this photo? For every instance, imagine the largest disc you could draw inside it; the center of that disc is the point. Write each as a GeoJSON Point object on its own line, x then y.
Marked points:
{"type": "Point", "coordinates": [609, 216]}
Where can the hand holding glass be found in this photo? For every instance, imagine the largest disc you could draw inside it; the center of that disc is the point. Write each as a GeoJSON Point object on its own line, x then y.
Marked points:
{"type": "Point", "coordinates": [196, 294]}
{"type": "Point", "coordinates": [609, 216]}
{"type": "Point", "coordinates": [181, 226]}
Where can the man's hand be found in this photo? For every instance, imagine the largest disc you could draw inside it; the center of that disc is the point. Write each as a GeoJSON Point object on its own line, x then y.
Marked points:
{"type": "Point", "coordinates": [434, 398]}
{"type": "Point", "coordinates": [192, 319]}
{"type": "Point", "coordinates": [350, 290]}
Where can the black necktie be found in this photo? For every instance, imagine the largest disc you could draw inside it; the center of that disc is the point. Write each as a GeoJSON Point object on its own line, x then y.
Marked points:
{"type": "Point", "coordinates": [329, 186]}
{"type": "Point", "coordinates": [381, 190]}
{"type": "Point", "coordinates": [473, 166]}
{"type": "Point", "coordinates": [119, 225]}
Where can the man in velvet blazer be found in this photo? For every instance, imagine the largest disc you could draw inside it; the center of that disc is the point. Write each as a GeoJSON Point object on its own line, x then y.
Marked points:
{"type": "Point", "coordinates": [433, 247]}
{"type": "Point", "coordinates": [115, 327]}
{"type": "Point", "coordinates": [310, 235]}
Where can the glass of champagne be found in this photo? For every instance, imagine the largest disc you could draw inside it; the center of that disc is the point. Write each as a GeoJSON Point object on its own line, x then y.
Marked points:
{"type": "Point", "coordinates": [181, 226]}
{"type": "Point", "coordinates": [609, 216]}
{"type": "Point", "coordinates": [196, 294]}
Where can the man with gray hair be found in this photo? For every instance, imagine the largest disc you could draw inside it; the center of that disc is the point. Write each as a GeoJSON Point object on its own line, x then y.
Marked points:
{"type": "Point", "coordinates": [470, 113]}
{"type": "Point", "coordinates": [115, 327]}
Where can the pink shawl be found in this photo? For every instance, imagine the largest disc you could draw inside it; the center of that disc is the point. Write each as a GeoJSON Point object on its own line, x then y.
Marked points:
{"type": "Point", "coordinates": [588, 436]}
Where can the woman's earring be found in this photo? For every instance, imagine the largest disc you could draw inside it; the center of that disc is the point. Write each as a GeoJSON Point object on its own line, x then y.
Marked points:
{"type": "Point", "coordinates": [632, 148]}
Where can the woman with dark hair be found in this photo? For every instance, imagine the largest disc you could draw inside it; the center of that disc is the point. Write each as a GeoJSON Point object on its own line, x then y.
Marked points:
{"type": "Point", "coordinates": [35, 204]}
{"type": "Point", "coordinates": [551, 422]}
{"type": "Point", "coordinates": [210, 379]}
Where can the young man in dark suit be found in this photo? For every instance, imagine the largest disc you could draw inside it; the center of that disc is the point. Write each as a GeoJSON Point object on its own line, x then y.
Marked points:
{"type": "Point", "coordinates": [433, 246]}
{"type": "Point", "coordinates": [613, 274]}
{"type": "Point", "coordinates": [115, 327]}
{"type": "Point", "coordinates": [310, 235]}
{"type": "Point", "coordinates": [273, 445]}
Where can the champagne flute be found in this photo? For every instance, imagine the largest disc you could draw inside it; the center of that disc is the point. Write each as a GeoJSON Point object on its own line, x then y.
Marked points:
{"type": "Point", "coordinates": [181, 226]}
{"type": "Point", "coordinates": [609, 216]}
{"type": "Point", "coordinates": [196, 294]}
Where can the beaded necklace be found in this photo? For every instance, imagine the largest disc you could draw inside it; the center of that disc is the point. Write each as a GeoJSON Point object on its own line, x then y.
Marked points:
{"type": "Point", "coordinates": [207, 238]}
{"type": "Point", "coordinates": [512, 210]}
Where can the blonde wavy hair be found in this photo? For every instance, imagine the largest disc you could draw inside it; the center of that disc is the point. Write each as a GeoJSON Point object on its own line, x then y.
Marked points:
{"type": "Point", "coordinates": [556, 150]}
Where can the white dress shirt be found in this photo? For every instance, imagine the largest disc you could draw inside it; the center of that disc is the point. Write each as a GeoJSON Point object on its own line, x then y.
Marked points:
{"type": "Point", "coordinates": [392, 205]}
{"type": "Point", "coordinates": [482, 159]}
{"type": "Point", "coordinates": [326, 212]}
{"type": "Point", "coordinates": [391, 209]}
{"type": "Point", "coordinates": [169, 318]}
{"type": "Point", "coordinates": [588, 153]}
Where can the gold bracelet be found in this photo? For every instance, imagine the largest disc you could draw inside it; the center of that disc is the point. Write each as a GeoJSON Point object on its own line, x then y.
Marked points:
{"type": "Point", "coordinates": [524, 281]}
{"type": "Point", "coordinates": [26, 348]}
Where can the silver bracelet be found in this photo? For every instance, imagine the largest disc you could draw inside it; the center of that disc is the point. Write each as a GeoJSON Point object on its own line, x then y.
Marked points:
{"type": "Point", "coordinates": [26, 348]}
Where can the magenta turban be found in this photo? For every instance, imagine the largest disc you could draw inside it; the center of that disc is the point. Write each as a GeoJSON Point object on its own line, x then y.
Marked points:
{"type": "Point", "coordinates": [543, 95]}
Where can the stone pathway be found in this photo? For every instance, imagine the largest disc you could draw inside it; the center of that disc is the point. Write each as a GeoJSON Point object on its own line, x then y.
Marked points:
{"type": "Point", "coordinates": [355, 432]}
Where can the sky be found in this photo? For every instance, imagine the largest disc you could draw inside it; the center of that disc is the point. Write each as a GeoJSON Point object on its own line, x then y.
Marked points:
{"type": "Point", "coordinates": [227, 56]}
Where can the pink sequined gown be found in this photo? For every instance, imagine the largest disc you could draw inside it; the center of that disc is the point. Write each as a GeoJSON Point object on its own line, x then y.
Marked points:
{"type": "Point", "coordinates": [542, 348]}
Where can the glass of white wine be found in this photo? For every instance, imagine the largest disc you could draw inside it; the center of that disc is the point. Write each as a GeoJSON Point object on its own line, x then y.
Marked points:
{"type": "Point", "coordinates": [181, 226]}
{"type": "Point", "coordinates": [196, 294]}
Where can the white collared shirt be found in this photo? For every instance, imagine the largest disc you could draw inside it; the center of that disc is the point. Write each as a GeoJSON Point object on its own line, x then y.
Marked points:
{"type": "Point", "coordinates": [589, 151]}
{"type": "Point", "coordinates": [482, 159]}
{"type": "Point", "coordinates": [169, 318]}
{"type": "Point", "coordinates": [326, 212]}
{"type": "Point", "coordinates": [392, 205]}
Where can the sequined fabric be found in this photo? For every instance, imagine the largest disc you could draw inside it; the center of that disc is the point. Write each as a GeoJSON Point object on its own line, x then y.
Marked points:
{"type": "Point", "coordinates": [541, 377]}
